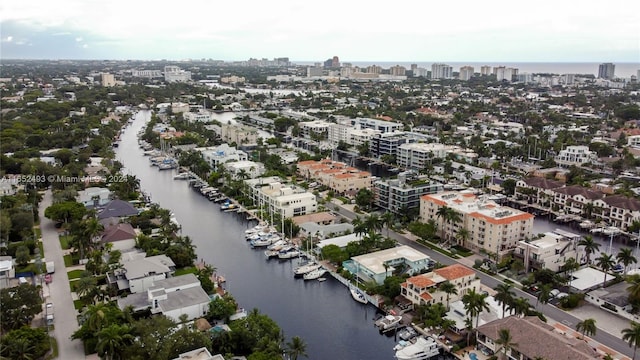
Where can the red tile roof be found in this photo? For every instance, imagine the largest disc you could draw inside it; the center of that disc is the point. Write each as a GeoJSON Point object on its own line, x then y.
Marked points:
{"type": "Point", "coordinates": [454, 271]}
{"type": "Point", "coordinates": [420, 281]}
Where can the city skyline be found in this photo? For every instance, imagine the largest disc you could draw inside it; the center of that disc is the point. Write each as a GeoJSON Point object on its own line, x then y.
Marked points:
{"type": "Point", "coordinates": [493, 32]}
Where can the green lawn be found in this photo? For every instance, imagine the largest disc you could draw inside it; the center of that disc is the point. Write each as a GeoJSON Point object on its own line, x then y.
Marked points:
{"type": "Point", "coordinates": [68, 261]}
{"type": "Point", "coordinates": [73, 284]}
{"type": "Point", "coordinates": [75, 274]}
{"type": "Point", "coordinates": [78, 304]}
{"type": "Point", "coordinates": [54, 347]}
{"type": "Point", "coordinates": [64, 241]}
{"type": "Point", "coordinates": [186, 270]}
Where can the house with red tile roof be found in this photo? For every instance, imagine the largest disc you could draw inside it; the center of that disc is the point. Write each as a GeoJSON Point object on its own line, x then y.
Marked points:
{"type": "Point", "coordinates": [424, 289]}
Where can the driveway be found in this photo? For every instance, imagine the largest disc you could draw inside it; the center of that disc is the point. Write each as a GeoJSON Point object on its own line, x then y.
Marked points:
{"type": "Point", "coordinates": [65, 322]}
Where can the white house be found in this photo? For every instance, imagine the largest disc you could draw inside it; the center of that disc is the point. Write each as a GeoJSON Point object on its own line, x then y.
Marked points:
{"type": "Point", "coordinates": [215, 156]}
{"type": "Point", "coordinates": [139, 274]}
{"type": "Point", "coordinates": [251, 169]}
{"type": "Point", "coordinates": [172, 297]}
{"type": "Point", "coordinates": [576, 155]}
{"type": "Point", "coordinates": [94, 196]}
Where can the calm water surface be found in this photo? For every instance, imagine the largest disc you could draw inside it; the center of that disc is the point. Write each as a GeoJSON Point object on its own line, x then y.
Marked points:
{"type": "Point", "coordinates": [332, 324]}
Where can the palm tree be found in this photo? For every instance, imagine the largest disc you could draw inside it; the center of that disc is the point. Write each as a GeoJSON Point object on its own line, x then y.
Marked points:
{"type": "Point", "coordinates": [388, 218]}
{"type": "Point", "coordinates": [605, 263]}
{"type": "Point", "coordinates": [625, 256]}
{"type": "Point", "coordinates": [505, 341]}
{"type": "Point", "coordinates": [359, 227]}
{"type": "Point", "coordinates": [587, 327]}
{"type": "Point", "coordinates": [504, 295]}
{"type": "Point", "coordinates": [520, 306]}
{"type": "Point", "coordinates": [475, 303]}
{"type": "Point", "coordinates": [448, 216]}
{"type": "Point", "coordinates": [20, 349]}
{"type": "Point", "coordinates": [634, 287]}
{"type": "Point", "coordinates": [373, 222]}
{"type": "Point", "coordinates": [590, 246]}
{"type": "Point", "coordinates": [463, 235]}
{"type": "Point", "coordinates": [570, 265]}
{"type": "Point", "coordinates": [632, 336]}
{"type": "Point", "coordinates": [112, 339]}
{"type": "Point", "coordinates": [545, 294]}
{"type": "Point", "coordinates": [296, 348]}
{"type": "Point", "coordinates": [85, 285]}
{"type": "Point", "coordinates": [448, 288]}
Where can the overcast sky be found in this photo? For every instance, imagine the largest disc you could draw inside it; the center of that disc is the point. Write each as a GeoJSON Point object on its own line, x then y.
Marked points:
{"type": "Point", "coordinates": [452, 30]}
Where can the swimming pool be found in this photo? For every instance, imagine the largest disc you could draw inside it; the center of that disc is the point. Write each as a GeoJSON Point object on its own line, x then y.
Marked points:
{"type": "Point", "coordinates": [473, 356]}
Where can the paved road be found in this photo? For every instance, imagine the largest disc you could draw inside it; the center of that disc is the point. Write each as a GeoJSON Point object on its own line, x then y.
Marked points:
{"type": "Point", "coordinates": [549, 311]}
{"type": "Point", "coordinates": [65, 322]}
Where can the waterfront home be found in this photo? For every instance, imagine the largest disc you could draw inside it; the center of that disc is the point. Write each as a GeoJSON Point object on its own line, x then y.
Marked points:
{"type": "Point", "coordinates": [533, 339]}
{"type": "Point", "coordinates": [122, 236]}
{"type": "Point", "coordinates": [94, 196]}
{"type": "Point", "coordinates": [549, 252]}
{"type": "Point", "coordinates": [117, 208]}
{"type": "Point", "coordinates": [281, 199]}
{"type": "Point", "coordinates": [199, 354]}
{"type": "Point", "coordinates": [424, 289]}
{"type": "Point", "coordinates": [139, 273]}
{"type": "Point", "coordinates": [378, 265]}
{"type": "Point", "coordinates": [248, 169]}
{"type": "Point", "coordinates": [172, 297]}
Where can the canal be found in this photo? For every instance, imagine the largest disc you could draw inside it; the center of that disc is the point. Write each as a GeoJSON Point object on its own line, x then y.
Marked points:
{"type": "Point", "coordinates": [331, 323]}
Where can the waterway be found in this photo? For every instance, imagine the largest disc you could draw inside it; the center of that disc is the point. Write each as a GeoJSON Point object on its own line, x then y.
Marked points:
{"type": "Point", "coordinates": [331, 323]}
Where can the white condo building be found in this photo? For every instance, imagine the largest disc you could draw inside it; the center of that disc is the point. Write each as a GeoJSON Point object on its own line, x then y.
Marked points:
{"type": "Point", "coordinates": [175, 74]}
{"type": "Point", "coordinates": [281, 199]}
{"type": "Point", "coordinates": [338, 133]}
{"type": "Point", "coordinates": [381, 125]}
{"type": "Point", "coordinates": [441, 71]}
{"type": "Point", "coordinates": [466, 73]}
{"type": "Point", "coordinates": [358, 137]}
{"type": "Point", "coordinates": [215, 156]}
{"type": "Point", "coordinates": [576, 155]}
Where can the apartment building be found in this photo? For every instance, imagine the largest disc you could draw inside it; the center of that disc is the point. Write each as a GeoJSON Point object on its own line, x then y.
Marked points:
{"type": "Point", "coordinates": [617, 210]}
{"type": "Point", "coordinates": [573, 199]}
{"type": "Point", "coordinates": [402, 194]}
{"type": "Point", "coordinates": [576, 155]}
{"type": "Point", "coordinates": [466, 73]}
{"type": "Point", "coordinates": [146, 73]}
{"type": "Point", "coordinates": [387, 144]}
{"type": "Point", "coordinates": [381, 125]}
{"type": "Point", "coordinates": [215, 156]}
{"type": "Point", "coordinates": [337, 176]}
{"type": "Point", "coordinates": [424, 289]}
{"type": "Point", "coordinates": [241, 135]}
{"type": "Point", "coordinates": [317, 127]}
{"type": "Point", "coordinates": [490, 227]}
{"type": "Point", "coordinates": [176, 74]}
{"type": "Point", "coordinates": [441, 71]}
{"type": "Point", "coordinates": [338, 133]}
{"type": "Point", "coordinates": [107, 80]}
{"type": "Point", "coordinates": [203, 117]}
{"type": "Point", "coordinates": [281, 199]}
{"type": "Point", "coordinates": [548, 252]}
{"type": "Point", "coordinates": [358, 137]}
{"type": "Point", "coordinates": [537, 190]}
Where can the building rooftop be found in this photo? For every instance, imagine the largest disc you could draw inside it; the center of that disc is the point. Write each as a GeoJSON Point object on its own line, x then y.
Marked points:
{"type": "Point", "coordinates": [183, 298]}
{"type": "Point", "coordinates": [375, 261]}
{"type": "Point", "coordinates": [536, 339]}
{"type": "Point", "coordinates": [454, 271]}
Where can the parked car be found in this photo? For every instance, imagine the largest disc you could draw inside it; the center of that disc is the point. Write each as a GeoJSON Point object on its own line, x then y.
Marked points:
{"type": "Point", "coordinates": [617, 268]}
{"type": "Point", "coordinates": [48, 278]}
{"type": "Point", "coordinates": [554, 292]}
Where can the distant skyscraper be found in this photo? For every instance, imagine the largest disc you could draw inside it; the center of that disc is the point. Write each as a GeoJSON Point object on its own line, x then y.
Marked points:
{"type": "Point", "coordinates": [485, 70]}
{"type": "Point", "coordinates": [335, 62]}
{"type": "Point", "coordinates": [466, 72]}
{"type": "Point", "coordinates": [328, 63]}
{"type": "Point", "coordinates": [374, 69]}
{"type": "Point", "coordinates": [441, 71]}
{"type": "Point", "coordinates": [398, 70]}
{"type": "Point", "coordinates": [107, 80]}
{"type": "Point", "coordinates": [606, 71]}
{"type": "Point", "coordinates": [504, 73]}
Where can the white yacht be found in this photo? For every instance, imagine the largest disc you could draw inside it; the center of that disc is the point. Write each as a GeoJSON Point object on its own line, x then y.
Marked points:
{"type": "Point", "coordinates": [301, 270]}
{"type": "Point", "coordinates": [315, 274]}
{"type": "Point", "coordinates": [288, 254]}
{"type": "Point", "coordinates": [423, 348]}
{"type": "Point", "coordinates": [388, 322]}
{"type": "Point", "coordinates": [358, 295]}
